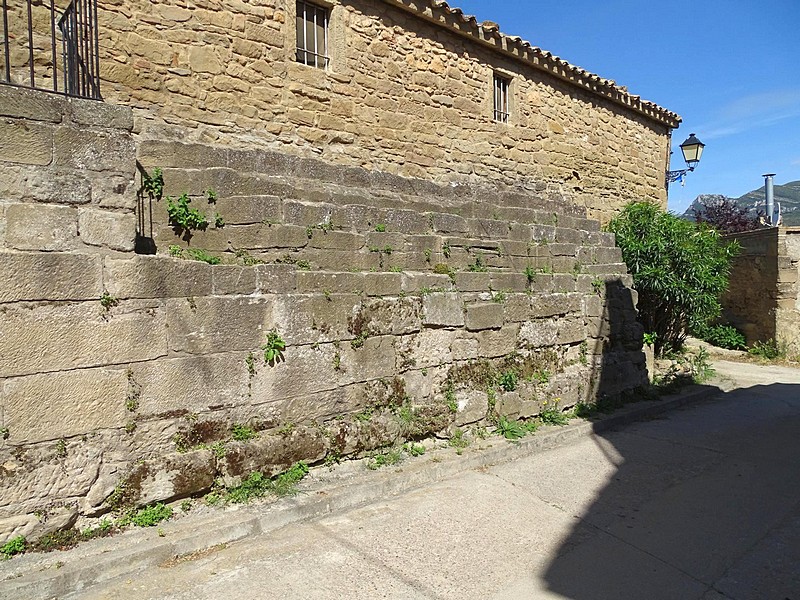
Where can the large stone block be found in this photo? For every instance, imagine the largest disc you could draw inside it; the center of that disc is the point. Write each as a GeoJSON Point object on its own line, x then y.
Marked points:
{"type": "Point", "coordinates": [279, 279]}
{"type": "Point", "coordinates": [60, 405]}
{"type": "Point", "coordinates": [195, 384]}
{"type": "Point", "coordinates": [443, 310]}
{"type": "Point", "coordinates": [60, 337]}
{"type": "Point", "coordinates": [30, 104]}
{"type": "Point", "coordinates": [48, 473]}
{"type": "Point", "coordinates": [493, 343]}
{"type": "Point", "coordinates": [424, 282]}
{"type": "Point", "coordinates": [246, 210]}
{"type": "Point", "coordinates": [218, 324]}
{"type": "Point", "coordinates": [389, 316]}
{"type": "Point", "coordinates": [171, 477]}
{"type": "Point", "coordinates": [38, 276]}
{"type": "Point", "coordinates": [91, 113]}
{"type": "Point", "coordinates": [156, 277]}
{"type": "Point", "coordinates": [41, 227]}
{"type": "Point", "coordinates": [61, 187]}
{"type": "Point", "coordinates": [95, 150]}
{"type": "Point", "coordinates": [26, 143]}
{"type": "Point", "coordinates": [429, 348]}
{"type": "Point", "coordinates": [472, 407]}
{"type": "Point", "coordinates": [336, 240]}
{"type": "Point", "coordinates": [233, 279]}
{"type": "Point", "coordinates": [318, 318]}
{"type": "Point", "coordinates": [273, 454]}
{"type": "Point", "coordinates": [113, 230]}
{"type": "Point", "coordinates": [383, 284]}
{"type": "Point", "coordinates": [484, 316]}
{"type": "Point", "coordinates": [334, 283]}
{"type": "Point", "coordinates": [164, 154]}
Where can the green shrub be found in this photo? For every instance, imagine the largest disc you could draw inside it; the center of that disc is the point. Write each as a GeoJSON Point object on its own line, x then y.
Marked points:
{"type": "Point", "coordinates": [679, 269]}
{"type": "Point", "coordinates": [13, 546]}
{"type": "Point", "coordinates": [770, 350]}
{"type": "Point", "coordinates": [722, 336]}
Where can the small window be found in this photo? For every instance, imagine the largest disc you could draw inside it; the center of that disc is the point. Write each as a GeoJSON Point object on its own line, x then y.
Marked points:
{"type": "Point", "coordinates": [501, 111]}
{"type": "Point", "coordinates": [312, 35]}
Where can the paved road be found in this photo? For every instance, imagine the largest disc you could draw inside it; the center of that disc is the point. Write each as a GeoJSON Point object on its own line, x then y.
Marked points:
{"type": "Point", "coordinates": [700, 504]}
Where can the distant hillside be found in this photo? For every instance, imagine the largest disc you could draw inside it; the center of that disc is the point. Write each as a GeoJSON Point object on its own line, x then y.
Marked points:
{"type": "Point", "coordinates": [788, 195]}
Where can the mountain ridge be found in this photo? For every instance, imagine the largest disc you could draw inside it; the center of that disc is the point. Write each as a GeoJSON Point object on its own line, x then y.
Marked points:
{"type": "Point", "coordinates": [787, 194]}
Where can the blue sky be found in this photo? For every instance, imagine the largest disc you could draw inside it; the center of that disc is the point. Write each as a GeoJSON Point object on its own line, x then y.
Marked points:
{"type": "Point", "coordinates": [730, 68]}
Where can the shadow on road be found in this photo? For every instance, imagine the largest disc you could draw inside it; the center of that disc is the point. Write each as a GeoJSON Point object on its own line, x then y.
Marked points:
{"type": "Point", "coordinates": [701, 504]}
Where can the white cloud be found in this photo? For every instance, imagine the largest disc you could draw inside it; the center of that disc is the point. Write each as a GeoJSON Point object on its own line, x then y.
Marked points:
{"type": "Point", "coordinates": [751, 112]}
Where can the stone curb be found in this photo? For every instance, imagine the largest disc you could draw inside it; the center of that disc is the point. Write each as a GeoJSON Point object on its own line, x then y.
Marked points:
{"type": "Point", "coordinates": [67, 574]}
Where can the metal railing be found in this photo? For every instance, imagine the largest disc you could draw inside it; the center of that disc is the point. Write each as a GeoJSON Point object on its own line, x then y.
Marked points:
{"type": "Point", "coordinates": [35, 32]}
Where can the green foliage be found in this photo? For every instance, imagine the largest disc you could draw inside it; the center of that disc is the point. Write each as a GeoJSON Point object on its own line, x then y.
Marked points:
{"type": "Point", "coordinates": [175, 251]}
{"type": "Point", "coordinates": [649, 339]}
{"type": "Point", "coordinates": [202, 256]}
{"type": "Point", "coordinates": [598, 285]}
{"type": "Point", "coordinates": [499, 296]}
{"type": "Point", "coordinates": [450, 398]}
{"type": "Point", "coordinates": [248, 260]}
{"type": "Point", "coordinates": [250, 361]}
{"type": "Point", "coordinates": [219, 222]}
{"type": "Point", "coordinates": [211, 195]}
{"type": "Point", "coordinates": [552, 415]}
{"type": "Point", "coordinates": [530, 273]}
{"type": "Point", "coordinates": [443, 269]}
{"type": "Point", "coordinates": [13, 546]}
{"type": "Point", "coordinates": [359, 340]}
{"type": "Point", "coordinates": [679, 269]}
{"type": "Point", "coordinates": [380, 227]}
{"type": "Point", "coordinates": [512, 429]}
{"type": "Point", "coordinates": [722, 336]}
{"type": "Point", "coordinates": [446, 251]}
{"type": "Point", "coordinates": [184, 218]}
{"type": "Point", "coordinates": [508, 381]}
{"type": "Point", "coordinates": [541, 376]}
{"type": "Point", "coordinates": [478, 266]}
{"type": "Point", "coordinates": [153, 184]}
{"type": "Point", "coordinates": [273, 348]}
{"type": "Point", "coordinates": [413, 449]}
{"type": "Point", "coordinates": [386, 458]}
{"type": "Point", "coordinates": [108, 301]}
{"type": "Point", "coordinates": [5, 432]}
{"type": "Point", "coordinates": [458, 441]}
{"type": "Point", "coordinates": [242, 433]}
{"type": "Point", "coordinates": [769, 350]}
{"type": "Point", "coordinates": [257, 485]}
{"type": "Point", "coordinates": [149, 516]}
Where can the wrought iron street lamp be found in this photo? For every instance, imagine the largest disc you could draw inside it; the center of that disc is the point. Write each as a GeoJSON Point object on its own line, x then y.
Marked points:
{"type": "Point", "coordinates": [692, 150]}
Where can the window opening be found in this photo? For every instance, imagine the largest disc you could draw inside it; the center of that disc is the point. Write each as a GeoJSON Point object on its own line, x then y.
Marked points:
{"type": "Point", "coordinates": [501, 111]}
{"type": "Point", "coordinates": [312, 35]}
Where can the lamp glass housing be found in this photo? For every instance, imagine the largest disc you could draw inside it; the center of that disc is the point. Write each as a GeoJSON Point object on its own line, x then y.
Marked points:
{"type": "Point", "coordinates": [692, 150]}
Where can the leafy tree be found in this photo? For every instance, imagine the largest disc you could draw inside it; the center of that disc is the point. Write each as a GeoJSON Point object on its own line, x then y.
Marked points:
{"type": "Point", "coordinates": [724, 215]}
{"type": "Point", "coordinates": [679, 269]}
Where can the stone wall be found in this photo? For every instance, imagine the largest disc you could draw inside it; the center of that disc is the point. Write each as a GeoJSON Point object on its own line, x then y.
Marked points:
{"type": "Point", "coordinates": [403, 95]}
{"type": "Point", "coordinates": [762, 299]}
{"type": "Point", "coordinates": [399, 302]}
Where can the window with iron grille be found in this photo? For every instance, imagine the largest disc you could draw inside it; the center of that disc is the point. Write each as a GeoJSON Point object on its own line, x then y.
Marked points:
{"type": "Point", "coordinates": [312, 35]}
{"type": "Point", "coordinates": [501, 110]}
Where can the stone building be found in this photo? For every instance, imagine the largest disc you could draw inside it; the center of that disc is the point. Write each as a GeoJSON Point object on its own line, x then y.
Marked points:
{"type": "Point", "coordinates": [406, 201]}
{"type": "Point", "coordinates": [408, 87]}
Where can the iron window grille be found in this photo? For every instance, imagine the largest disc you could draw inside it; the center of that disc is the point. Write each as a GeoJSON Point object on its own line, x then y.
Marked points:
{"type": "Point", "coordinates": [501, 109]}
{"type": "Point", "coordinates": [312, 35]}
{"type": "Point", "coordinates": [74, 29]}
